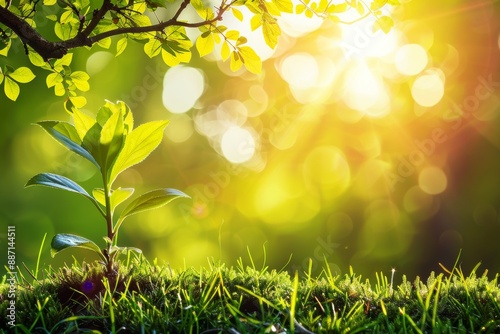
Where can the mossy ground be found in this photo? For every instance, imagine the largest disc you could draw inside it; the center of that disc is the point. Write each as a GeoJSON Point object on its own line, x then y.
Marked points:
{"type": "Point", "coordinates": [140, 297]}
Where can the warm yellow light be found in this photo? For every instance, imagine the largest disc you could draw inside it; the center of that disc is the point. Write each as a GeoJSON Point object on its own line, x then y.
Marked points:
{"type": "Point", "coordinates": [411, 59]}
{"type": "Point", "coordinates": [432, 180]}
{"type": "Point", "coordinates": [300, 70]}
{"type": "Point", "coordinates": [182, 87]}
{"type": "Point", "coordinates": [428, 90]}
{"type": "Point", "coordinates": [238, 145]}
{"type": "Point", "coordinates": [365, 92]}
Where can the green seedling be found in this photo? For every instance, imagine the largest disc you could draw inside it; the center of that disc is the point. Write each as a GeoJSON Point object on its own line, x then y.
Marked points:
{"type": "Point", "coordinates": [110, 142]}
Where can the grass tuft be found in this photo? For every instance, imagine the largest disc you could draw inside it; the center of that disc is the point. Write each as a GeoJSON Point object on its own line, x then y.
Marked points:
{"type": "Point", "coordinates": [143, 297]}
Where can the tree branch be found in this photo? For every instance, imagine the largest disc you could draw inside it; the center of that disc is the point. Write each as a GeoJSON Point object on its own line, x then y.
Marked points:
{"type": "Point", "coordinates": [30, 36]}
{"type": "Point", "coordinates": [49, 50]}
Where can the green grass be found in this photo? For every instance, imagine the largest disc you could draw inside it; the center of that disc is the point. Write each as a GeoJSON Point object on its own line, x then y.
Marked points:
{"type": "Point", "coordinates": [143, 297]}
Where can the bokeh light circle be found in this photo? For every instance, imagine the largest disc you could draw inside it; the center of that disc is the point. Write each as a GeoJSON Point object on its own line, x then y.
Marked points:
{"type": "Point", "coordinates": [432, 180]}
{"type": "Point", "coordinates": [182, 87]}
{"type": "Point", "coordinates": [181, 128]}
{"type": "Point", "coordinates": [300, 70]}
{"type": "Point", "coordinates": [98, 61]}
{"type": "Point", "coordinates": [238, 144]}
{"type": "Point", "coordinates": [411, 59]}
{"type": "Point", "coordinates": [428, 89]}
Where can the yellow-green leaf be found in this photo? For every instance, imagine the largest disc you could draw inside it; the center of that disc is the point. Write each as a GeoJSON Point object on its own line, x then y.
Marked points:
{"type": "Point", "coordinates": [53, 79]}
{"type": "Point", "coordinates": [121, 45]}
{"type": "Point", "coordinates": [59, 89]}
{"type": "Point", "coordinates": [5, 50]}
{"type": "Point", "coordinates": [11, 88]}
{"type": "Point", "coordinates": [49, 2]}
{"type": "Point", "coordinates": [105, 43]}
{"type": "Point", "coordinates": [78, 101]}
{"type": "Point", "coordinates": [152, 48]}
{"type": "Point", "coordinates": [80, 80]}
{"type": "Point", "coordinates": [22, 75]}
{"type": "Point", "coordinates": [205, 44]}
{"type": "Point", "coordinates": [83, 123]}
{"type": "Point", "coordinates": [250, 59]}
{"type": "Point", "coordinates": [118, 196]}
{"type": "Point", "coordinates": [36, 59]}
{"type": "Point", "coordinates": [138, 145]}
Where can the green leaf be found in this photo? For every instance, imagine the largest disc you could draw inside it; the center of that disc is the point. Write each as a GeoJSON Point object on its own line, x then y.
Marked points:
{"type": "Point", "coordinates": [138, 145]}
{"type": "Point", "coordinates": [22, 75]}
{"type": "Point", "coordinates": [118, 196]}
{"type": "Point", "coordinates": [66, 134]}
{"type": "Point", "coordinates": [111, 140]}
{"type": "Point", "coordinates": [151, 200]}
{"type": "Point", "coordinates": [62, 241]}
{"type": "Point", "coordinates": [11, 88]}
{"type": "Point", "coordinates": [58, 182]}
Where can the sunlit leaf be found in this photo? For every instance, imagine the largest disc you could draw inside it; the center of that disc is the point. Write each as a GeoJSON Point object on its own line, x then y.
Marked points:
{"type": "Point", "coordinates": [205, 44]}
{"type": "Point", "coordinates": [237, 14]}
{"type": "Point", "coordinates": [121, 45]}
{"type": "Point", "coordinates": [152, 200]}
{"type": "Point", "coordinates": [66, 134]}
{"type": "Point", "coordinates": [285, 6]}
{"type": "Point", "coordinates": [62, 241]}
{"type": "Point", "coordinates": [236, 62]}
{"type": "Point", "coordinates": [250, 59]}
{"type": "Point", "coordinates": [22, 75]}
{"type": "Point", "coordinates": [271, 32]}
{"type": "Point", "coordinates": [138, 145]}
{"type": "Point", "coordinates": [36, 59]}
{"type": "Point", "coordinates": [83, 123]}
{"type": "Point", "coordinates": [377, 4]}
{"type": "Point", "coordinates": [53, 79]}
{"type": "Point", "coordinates": [80, 79]}
{"type": "Point", "coordinates": [111, 140]}
{"type": "Point", "coordinates": [11, 88]}
{"type": "Point", "coordinates": [152, 48]}
{"type": "Point", "coordinates": [225, 51]}
{"type": "Point", "coordinates": [49, 2]}
{"type": "Point", "coordinates": [117, 197]}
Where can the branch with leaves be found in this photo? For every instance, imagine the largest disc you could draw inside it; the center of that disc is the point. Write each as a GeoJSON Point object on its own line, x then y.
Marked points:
{"type": "Point", "coordinates": [85, 23]}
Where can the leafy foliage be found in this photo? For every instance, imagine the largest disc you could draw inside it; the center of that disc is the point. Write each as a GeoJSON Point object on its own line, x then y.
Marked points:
{"type": "Point", "coordinates": [112, 144]}
{"type": "Point", "coordinates": [87, 23]}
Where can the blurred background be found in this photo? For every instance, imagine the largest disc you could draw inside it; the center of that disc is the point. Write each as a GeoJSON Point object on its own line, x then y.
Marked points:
{"type": "Point", "coordinates": [362, 149]}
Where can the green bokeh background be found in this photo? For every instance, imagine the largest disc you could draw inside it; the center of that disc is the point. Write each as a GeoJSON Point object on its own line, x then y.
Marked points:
{"type": "Point", "coordinates": [294, 204]}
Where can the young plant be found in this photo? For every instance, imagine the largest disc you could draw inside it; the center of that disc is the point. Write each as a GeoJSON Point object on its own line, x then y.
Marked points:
{"type": "Point", "coordinates": [110, 142]}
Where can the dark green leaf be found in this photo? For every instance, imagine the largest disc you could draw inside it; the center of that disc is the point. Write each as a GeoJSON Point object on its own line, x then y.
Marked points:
{"type": "Point", "coordinates": [66, 134]}
{"type": "Point", "coordinates": [59, 182]}
{"type": "Point", "coordinates": [62, 241]}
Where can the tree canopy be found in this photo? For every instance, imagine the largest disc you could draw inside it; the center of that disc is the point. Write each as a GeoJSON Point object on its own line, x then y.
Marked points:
{"type": "Point", "coordinates": [50, 30]}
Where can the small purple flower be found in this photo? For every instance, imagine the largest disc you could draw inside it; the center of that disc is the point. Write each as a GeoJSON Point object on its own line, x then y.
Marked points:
{"type": "Point", "coordinates": [87, 286]}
